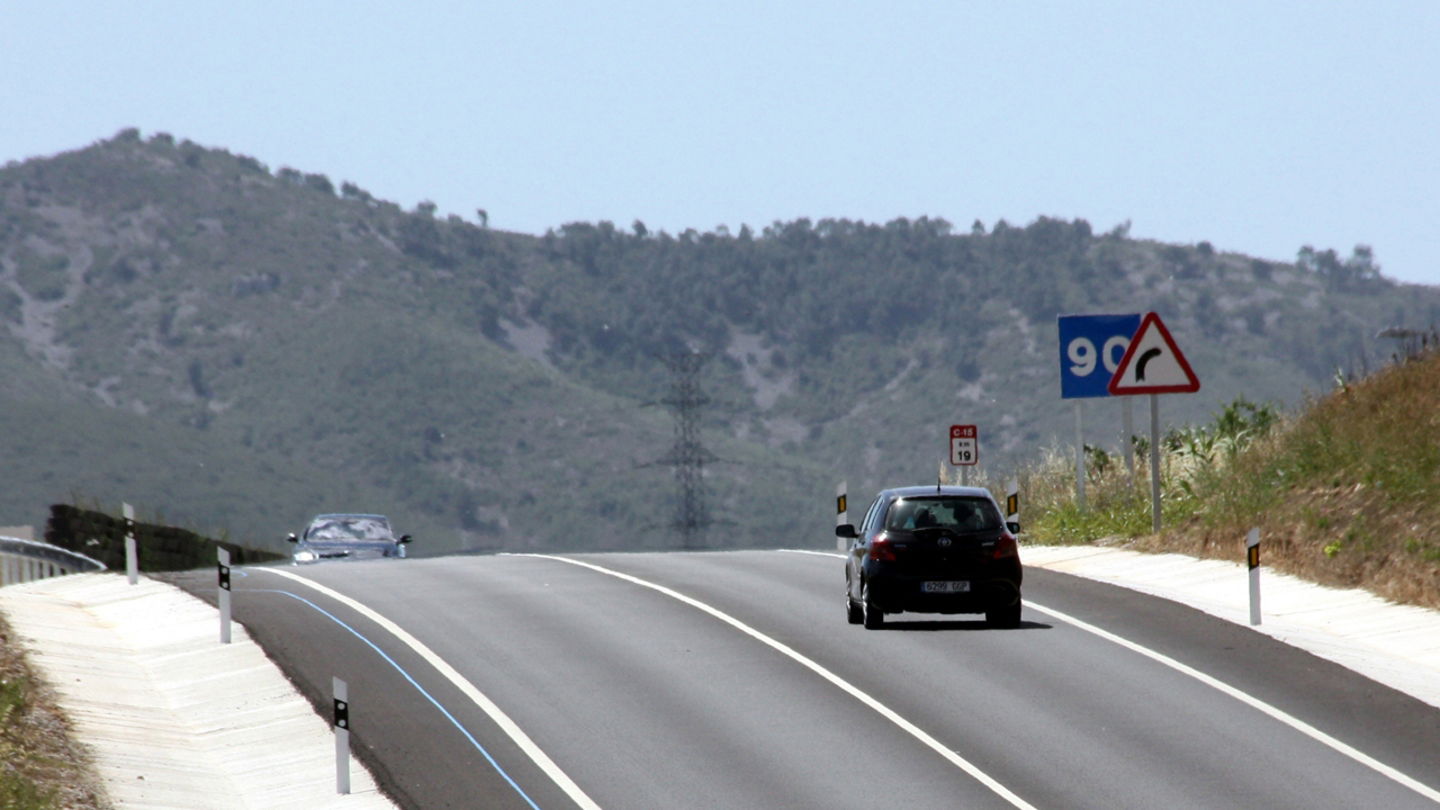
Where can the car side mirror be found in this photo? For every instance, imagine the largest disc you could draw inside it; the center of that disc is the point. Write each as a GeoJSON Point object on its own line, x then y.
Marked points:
{"type": "Point", "coordinates": [846, 530]}
{"type": "Point", "coordinates": [405, 538]}
{"type": "Point", "coordinates": [292, 538]}
{"type": "Point", "coordinates": [1013, 526]}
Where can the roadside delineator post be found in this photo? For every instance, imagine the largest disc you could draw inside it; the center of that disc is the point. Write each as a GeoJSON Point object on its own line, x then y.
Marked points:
{"type": "Point", "coordinates": [1012, 502]}
{"type": "Point", "coordinates": [1252, 558]}
{"type": "Point", "coordinates": [842, 512]}
{"type": "Point", "coordinates": [222, 556]}
{"type": "Point", "coordinates": [342, 737]}
{"type": "Point", "coordinates": [132, 562]}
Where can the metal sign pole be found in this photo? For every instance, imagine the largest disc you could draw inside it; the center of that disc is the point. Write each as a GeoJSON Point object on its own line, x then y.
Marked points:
{"type": "Point", "coordinates": [1080, 454]}
{"type": "Point", "coordinates": [1155, 461]}
{"type": "Point", "coordinates": [1127, 443]}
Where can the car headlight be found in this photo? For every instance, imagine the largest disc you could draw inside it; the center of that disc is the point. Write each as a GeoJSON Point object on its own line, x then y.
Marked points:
{"type": "Point", "coordinates": [306, 556]}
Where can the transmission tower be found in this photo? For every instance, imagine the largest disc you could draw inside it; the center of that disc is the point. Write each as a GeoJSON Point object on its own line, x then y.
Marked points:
{"type": "Point", "coordinates": [688, 456]}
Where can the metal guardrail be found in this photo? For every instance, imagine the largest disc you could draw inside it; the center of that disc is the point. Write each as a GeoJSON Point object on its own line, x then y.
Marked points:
{"type": "Point", "coordinates": [29, 560]}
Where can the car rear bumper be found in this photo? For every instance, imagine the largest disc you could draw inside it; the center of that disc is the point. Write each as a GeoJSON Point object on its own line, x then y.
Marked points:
{"type": "Point", "coordinates": [896, 594]}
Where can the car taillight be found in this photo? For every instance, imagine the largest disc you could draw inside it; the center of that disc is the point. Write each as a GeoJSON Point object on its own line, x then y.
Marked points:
{"type": "Point", "coordinates": [881, 550]}
{"type": "Point", "coordinates": [1006, 546]}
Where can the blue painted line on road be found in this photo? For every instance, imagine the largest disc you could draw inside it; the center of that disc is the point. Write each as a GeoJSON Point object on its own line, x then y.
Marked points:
{"type": "Point", "coordinates": [406, 675]}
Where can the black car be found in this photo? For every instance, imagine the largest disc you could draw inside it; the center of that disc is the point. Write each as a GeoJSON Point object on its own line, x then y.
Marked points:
{"type": "Point", "coordinates": [932, 550]}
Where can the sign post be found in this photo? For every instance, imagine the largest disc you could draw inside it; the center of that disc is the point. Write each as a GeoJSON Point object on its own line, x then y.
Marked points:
{"type": "Point", "coordinates": [1153, 364]}
{"type": "Point", "coordinates": [964, 449]}
{"type": "Point", "coordinates": [1127, 439]}
{"type": "Point", "coordinates": [1090, 350]}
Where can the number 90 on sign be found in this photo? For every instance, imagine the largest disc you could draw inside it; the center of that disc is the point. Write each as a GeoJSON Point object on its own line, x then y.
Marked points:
{"type": "Point", "coordinates": [1091, 348]}
{"type": "Point", "coordinates": [964, 445]}
{"type": "Point", "coordinates": [1083, 356]}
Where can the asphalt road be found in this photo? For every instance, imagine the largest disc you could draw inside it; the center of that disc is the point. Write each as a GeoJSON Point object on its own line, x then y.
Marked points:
{"type": "Point", "coordinates": [643, 700]}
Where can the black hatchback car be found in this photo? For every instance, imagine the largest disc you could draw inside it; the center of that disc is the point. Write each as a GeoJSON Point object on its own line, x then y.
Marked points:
{"type": "Point", "coordinates": [932, 550]}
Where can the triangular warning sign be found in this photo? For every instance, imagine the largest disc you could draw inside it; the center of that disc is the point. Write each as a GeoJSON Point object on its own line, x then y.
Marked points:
{"type": "Point", "coordinates": [1153, 364]}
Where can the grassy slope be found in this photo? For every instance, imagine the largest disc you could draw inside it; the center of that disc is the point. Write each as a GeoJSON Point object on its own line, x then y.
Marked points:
{"type": "Point", "coordinates": [1345, 492]}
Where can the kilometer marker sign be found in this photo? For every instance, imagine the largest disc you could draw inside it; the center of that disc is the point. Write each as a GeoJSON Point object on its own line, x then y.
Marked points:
{"type": "Point", "coordinates": [964, 445]}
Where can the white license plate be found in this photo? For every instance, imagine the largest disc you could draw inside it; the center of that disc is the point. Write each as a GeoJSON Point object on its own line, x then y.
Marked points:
{"type": "Point", "coordinates": [945, 587]}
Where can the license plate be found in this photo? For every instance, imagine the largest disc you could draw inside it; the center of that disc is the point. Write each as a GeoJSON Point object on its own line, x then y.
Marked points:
{"type": "Point", "coordinates": [945, 587]}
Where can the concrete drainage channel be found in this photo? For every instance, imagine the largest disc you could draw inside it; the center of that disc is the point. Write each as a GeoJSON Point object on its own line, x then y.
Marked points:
{"type": "Point", "coordinates": [143, 698]}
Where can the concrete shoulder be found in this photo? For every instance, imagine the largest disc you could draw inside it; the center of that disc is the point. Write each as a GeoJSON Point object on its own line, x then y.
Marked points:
{"type": "Point", "coordinates": [173, 717]}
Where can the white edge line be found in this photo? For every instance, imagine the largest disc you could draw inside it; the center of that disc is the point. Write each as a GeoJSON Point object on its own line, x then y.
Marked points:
{"type": "Point", "coordinates": [1253, 702]}
{"type": "Point", "coordinates": [844, 685]}
{"type": "Point", "coordinates": [486, 705]}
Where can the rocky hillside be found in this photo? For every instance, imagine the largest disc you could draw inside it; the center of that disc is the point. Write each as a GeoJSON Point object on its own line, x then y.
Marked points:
{"type": "Point", "coordinates": [239, 347]}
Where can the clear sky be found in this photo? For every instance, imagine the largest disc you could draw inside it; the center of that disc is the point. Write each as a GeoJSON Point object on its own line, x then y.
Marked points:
{"type": "Point", "coordinates": [1258, 126]}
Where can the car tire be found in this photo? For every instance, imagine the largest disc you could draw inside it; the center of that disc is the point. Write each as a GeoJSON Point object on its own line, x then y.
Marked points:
{"type": "Point", "coordinates": [1007, 616]}
{"type": "Point", "coordinates": [873, 618]}
{"type": "Point", "coordinates": [854, 614]}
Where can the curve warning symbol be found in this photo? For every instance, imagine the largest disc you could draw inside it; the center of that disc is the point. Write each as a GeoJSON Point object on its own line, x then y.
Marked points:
{"type": "Point", "coordinates": [1153, 363]}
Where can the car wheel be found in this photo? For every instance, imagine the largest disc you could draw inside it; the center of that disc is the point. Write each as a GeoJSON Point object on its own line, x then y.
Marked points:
{"type": "Point", "coordinates": [1004, 616]}
{"type": "Point", "coordinates": [854, 614]}
{"type": "Point", "coordinates": [872, 618]}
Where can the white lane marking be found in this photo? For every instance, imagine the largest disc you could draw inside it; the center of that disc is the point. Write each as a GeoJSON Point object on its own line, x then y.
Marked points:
{"type": "Point", "coordinates": [1253, 702]}
{"type": "Point", "coordinates": [1215, 683]}
{"type": "Point", "coordinates": [486, 705]}
{"type": "Point", "coordinates": [844, 685]}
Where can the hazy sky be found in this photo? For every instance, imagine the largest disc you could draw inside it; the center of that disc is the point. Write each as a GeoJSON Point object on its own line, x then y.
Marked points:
{"type": "Point", "coordinates": [1258, 126]}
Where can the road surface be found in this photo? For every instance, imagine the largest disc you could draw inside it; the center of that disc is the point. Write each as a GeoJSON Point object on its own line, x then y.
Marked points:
{"type": "Point", "coordinates": [731, 680]}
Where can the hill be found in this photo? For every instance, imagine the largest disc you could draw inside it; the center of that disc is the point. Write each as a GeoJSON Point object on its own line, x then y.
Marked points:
{"type": "Point", "coordinates": [188, 330]}
{"type": "Point", "coordinates": [1345, 494]}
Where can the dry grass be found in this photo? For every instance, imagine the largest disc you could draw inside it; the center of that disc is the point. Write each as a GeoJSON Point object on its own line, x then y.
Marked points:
{"type": "Point", "coordinates": [41, 767]}
{"type": "Point", "coordinates": [1349, 493]}
{"type": "Point", "coordinates": [1346, 492]}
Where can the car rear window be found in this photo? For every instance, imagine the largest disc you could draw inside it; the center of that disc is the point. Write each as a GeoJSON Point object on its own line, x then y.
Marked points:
{"type": "Point", "coordinates": [953, 512]}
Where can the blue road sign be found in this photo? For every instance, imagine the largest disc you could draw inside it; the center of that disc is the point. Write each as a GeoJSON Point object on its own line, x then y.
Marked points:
{"type": "Point", "coordinates": [1091, 347]}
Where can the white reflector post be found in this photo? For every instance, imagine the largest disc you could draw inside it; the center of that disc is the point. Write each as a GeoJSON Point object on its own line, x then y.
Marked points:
{"type": "Point", "coordinates": [1012, 502]}
{"type": "Point", "coordinates": [1252, 559]}
{"type": "Point", "coordinates": [222, 556]}
{"type": "Point", "coordinates": [842, 512]}
{"type": "Point", "coordinates": [342, 737]}
{"type": "Point", "coordinates": [132, 561]}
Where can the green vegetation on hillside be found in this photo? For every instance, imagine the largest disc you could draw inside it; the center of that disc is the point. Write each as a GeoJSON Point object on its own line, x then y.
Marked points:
{"type": "Point", "coordinates": [1345, 492]}
{"type": "Point", "coordinates": [238, 348]}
